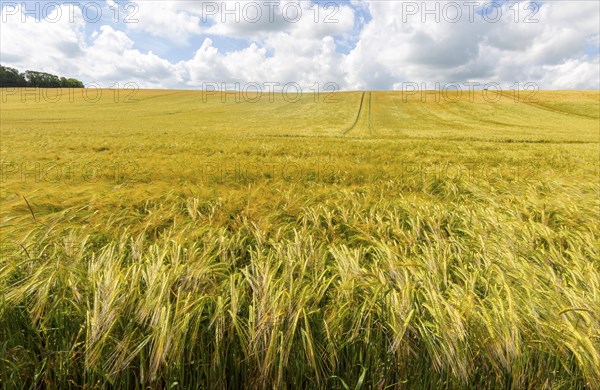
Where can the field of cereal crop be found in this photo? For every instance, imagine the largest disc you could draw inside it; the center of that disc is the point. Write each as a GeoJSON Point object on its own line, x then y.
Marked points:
{"type": "Point", "coordinates": [355, 240]}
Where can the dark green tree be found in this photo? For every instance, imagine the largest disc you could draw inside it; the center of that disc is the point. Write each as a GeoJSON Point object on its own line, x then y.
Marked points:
{"type": "Point", "coordinates": [10, 78]}
{"type": "Point", "coordinates": [70, 83]}
{"type": "Point", "coordinates": [41, 80]}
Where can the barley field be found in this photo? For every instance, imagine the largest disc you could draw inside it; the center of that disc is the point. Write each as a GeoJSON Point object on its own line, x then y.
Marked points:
{"type": "Point", "coordinates": [360, 240]}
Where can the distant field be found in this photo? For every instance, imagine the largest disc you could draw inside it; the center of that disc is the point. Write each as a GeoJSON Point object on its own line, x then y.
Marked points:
{"type": "Point", "coordinates": [353, 240]}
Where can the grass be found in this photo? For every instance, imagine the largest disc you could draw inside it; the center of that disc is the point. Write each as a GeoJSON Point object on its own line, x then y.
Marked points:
{"type": "Point", "coordinates": [177, 243]}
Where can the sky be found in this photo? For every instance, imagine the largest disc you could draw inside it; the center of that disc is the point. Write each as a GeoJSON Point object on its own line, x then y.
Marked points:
{"type": "Point", "coordinates": [345, 45]}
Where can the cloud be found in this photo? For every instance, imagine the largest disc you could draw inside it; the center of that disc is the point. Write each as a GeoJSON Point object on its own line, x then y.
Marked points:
{"type": "Point", "coordinates": [32, 45]}
{"type": "Point", "coordinates": [111, 56]}
{"type": "Point", "coordinates": [58, 45]}
{"type": "Point", "coordinates": [165, 20]}
{"type": "Point", "coordinates": [305, 63]}
{"type": "Point", "coordinates": [256, 20]}
{"type": "Point", "coordinates": [399, 45]}
{"type": "Point", "coordinates": [572, 74]}
{"type": "Point", "coordinates": [369, 45]}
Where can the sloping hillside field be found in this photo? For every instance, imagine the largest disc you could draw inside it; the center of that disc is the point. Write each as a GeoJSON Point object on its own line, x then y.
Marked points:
{"type": "Point", "coordinates": [178, 239]}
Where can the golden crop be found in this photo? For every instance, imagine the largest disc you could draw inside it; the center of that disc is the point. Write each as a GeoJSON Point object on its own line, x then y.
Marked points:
{"type": "Point", "coordinates": [182, 241]}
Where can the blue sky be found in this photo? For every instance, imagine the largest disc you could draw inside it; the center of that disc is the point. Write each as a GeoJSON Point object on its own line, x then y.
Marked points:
{"type": "Point", "coordinates": [354, 44]}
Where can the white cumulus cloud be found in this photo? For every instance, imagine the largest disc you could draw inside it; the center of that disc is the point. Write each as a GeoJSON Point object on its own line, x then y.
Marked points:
{"type": "Point", "coordinates": [357, 44]}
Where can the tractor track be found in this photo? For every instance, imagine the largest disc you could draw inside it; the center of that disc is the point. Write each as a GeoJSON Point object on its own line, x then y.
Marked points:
{"type": "Point", "coordinates": [549, 109]}
{"type": "Point", "coordinates": [557, 111]}
{"type": "Point", "coordinates": [371, 131]}
{"type": "Point", "coordinates": [353, 125]}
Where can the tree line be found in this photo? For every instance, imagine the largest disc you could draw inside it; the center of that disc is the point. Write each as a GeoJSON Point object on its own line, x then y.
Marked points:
{"type": "Point", "coordinates": [10, 78]}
